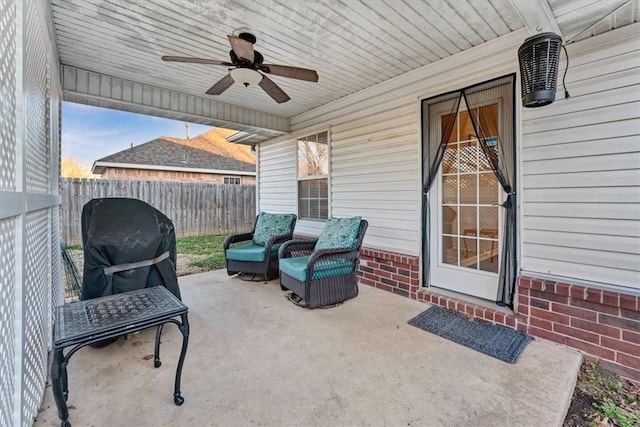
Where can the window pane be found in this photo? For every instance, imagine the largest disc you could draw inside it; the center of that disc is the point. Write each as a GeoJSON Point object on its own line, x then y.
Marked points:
{"type": "Point", "coordinates": [312, 199]}
{"type": "Point", "coordinates": [468, 190]}
{"type": "Point", "coordinates": [313, 157]}
{"type": "Point", "coordinates": [449, 189]}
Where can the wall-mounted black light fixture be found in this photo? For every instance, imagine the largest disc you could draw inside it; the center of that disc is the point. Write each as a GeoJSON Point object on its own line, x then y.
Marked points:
{"type": "Point", "coordinates": [539, 56]}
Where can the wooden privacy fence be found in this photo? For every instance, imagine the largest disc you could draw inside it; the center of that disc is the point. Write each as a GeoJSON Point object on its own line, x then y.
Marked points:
{"type": "Point", "coordinates": [196, 209]}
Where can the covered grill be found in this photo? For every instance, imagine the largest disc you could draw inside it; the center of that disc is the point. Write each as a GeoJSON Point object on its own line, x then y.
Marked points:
{"type": "Point", "coordinates": [128, 245]}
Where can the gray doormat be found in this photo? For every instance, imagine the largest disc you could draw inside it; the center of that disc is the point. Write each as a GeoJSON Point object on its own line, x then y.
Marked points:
{"type": "Point", "coordinates": [494, 340]}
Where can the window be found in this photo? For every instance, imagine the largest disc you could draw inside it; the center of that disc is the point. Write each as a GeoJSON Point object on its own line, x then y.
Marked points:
{"type": "Point", "coordinates": [233, 180]}
{"type": "Point", "coordinates": [313, 180]}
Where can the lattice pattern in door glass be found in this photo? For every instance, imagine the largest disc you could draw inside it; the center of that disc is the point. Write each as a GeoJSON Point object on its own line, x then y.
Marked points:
{"type": "Point", "coordinates": [469, 197]}
{"type": "Point", "coordinates": [7, 319]}
{"type": "Point", "coordinates": [35, 305]}
{"type": "Point", "coordinates": [36, 106]}
{"type": "Point", "coordinates": [7, 95]}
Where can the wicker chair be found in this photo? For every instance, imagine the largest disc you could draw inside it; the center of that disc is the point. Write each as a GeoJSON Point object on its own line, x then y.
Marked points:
{"type": "Point", "coordinates": [256, 252]}
{"type": "Point", "coordinates": [322, 276]}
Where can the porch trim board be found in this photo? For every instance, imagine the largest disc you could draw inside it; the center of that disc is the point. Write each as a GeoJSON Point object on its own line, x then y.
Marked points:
{"type": "Point", "coordinates": [91, 88]}
{"type": "Point", "coordinates": [602, 324]}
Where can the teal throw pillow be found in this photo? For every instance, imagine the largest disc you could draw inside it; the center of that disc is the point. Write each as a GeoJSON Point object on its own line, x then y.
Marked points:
{"type": "Point", "coordinates": [270, 225]}
{"type": "Point", "coordinates": [339, 233]}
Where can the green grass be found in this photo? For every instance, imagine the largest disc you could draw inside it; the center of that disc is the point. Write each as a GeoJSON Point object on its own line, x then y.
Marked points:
{"type": "Point", "coordinates": [203, 245]}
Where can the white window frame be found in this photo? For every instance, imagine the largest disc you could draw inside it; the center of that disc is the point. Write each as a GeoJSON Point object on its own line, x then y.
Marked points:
{"type": "Point", "coordinates": [238, 180]}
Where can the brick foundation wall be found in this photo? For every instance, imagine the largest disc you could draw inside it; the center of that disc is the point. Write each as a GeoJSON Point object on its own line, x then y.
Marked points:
{"type": "Point", "coordinates": [601, 324]}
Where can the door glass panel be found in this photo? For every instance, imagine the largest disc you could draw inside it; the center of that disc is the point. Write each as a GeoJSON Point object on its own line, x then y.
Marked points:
{"type": "Point", "coordinates": [469, 197]}
{"type": "Point", "coordinates": [450, 189]}
{"type": "Point", "coordinates": [469, 253]}
{"type": "Point", "coordinates": [488, 188]}
{"type": "Point", "coordinates": [468, 189]}
{"type": "Point", "coordinates": [449, 219]}
{"type": "Point", "coordinates": [468, 220]}
{"type": "Point", "coordinates": [450, 250]}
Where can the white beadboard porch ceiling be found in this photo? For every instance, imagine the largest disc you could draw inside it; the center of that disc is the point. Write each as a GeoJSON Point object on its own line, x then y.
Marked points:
{"type": "Point", "coordinates": [353, 44]}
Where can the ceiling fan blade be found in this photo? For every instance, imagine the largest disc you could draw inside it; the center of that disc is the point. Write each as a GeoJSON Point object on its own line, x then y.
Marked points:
{"type": "Point", "coordinates": [242, 48]}
{"type": "Point", "coordinates": [292, 72]}
{"type": "Point", "coordinates": [222, 85]}
{"type": "Point", "coordinates": [195, 60]}
{"type": "Point", "coordinates": [273, 90]}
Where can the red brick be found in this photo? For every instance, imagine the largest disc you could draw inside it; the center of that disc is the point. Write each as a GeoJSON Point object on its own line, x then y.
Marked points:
{"type": "Point", "coordinates": [632, 374]}
{"type": "Point", "coordinates": [523, 299]}
{"type": "Point", "coordinates": [562, 289]}
{"type": "Point", "coordinates": [577, 333]}
{"type": "Point", "coordinates": [549, 296]}
{"type": "Point", "coordinates": [511, 321]}
{"type": "Point", "coordinates": [536, 284]}
{"type": "Point", "coordinates": [619, 322]}
{"type": "Point", "coordinates": [469, 310]}
{"type": "Point", "coordinates": [523, 309]}
{"type": "Point", "coordinates": [522, 327]}
{"type": "Point", "coordinates": [542, 324]}
{"type": "Point", "coordinates": [611, 298]}
{"type": "Point", "coordinates": [628, 360]}
{"type": "Point", "coordinates": [400, 292]}
{"type": "Point", "coordinates": [549, 335]}
{"type": "Point", "coordinates": [535, 302]}
{"type": "Point", "coordinates": [590, 348]}
{"type": "Point", "coordinates": [550, 316]}
{"type": "Point", "coordinates": [594, 306]}
{"type": "Point", "coordinates": [609, 331]}
{"type": "Point", "coordinates": [384, 287]}
{"type": "Point", "coordinates": [629, 302]}
{"type": "Point", "coordinates": [524, 283]}
{"type": "Point", "coordinates": [389, 268]}
{"type": "Point", "coordinates": [460, 307]}
{"type": "Point", "coordinates": [623, 346]}
{"type": "Point", "coordinates": [451, 304]}
{"type": "Point", "coordinates": [499, 318]}
{"type": "Point", "coordinates": [489, 314]}
{"type": "Point", "coordinates": [478, 312]}
{"type": "Point", "coordinates": [577, 292]}
{"type": "Point", "coordinates": [633, 337]}
{"type": "Point", "coordinates": [574, 312]}
{"type": "Point", "coordinates": [594, 295]}
{"type": "Point", "coordinates": [630, 314]}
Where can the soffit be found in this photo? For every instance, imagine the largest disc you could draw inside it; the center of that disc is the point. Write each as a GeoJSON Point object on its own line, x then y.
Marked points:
{"type": "Point", "coordinates": [352, 44]}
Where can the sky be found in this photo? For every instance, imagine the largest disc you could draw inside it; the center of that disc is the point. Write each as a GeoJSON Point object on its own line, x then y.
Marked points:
{"type": "Point", "coordinates": [90, 133]}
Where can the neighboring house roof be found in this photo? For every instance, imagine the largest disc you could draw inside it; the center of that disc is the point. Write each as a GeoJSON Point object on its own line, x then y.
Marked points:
{"type": "Point", "coordinates": [209, 152]}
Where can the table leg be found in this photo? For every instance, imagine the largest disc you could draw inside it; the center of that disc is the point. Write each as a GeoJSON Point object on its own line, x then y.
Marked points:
{"type": "Point", "coordinates": [184, 328]}
{"type": "Point", "coordinates": [156, 352]}
{"type": "Point", "coordinates": [58, 383]}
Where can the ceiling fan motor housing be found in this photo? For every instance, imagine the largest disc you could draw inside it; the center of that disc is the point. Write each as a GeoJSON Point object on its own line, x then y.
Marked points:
{"type": "Point", "coordinates": [539, 56]}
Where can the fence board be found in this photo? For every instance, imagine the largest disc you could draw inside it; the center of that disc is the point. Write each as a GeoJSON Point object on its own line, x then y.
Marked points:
{"type": "Point", "coordinates": [195, 209]}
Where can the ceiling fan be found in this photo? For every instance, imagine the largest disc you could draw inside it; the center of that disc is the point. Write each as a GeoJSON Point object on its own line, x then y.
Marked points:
{"type": "Point", "coordinates": [248, 69]}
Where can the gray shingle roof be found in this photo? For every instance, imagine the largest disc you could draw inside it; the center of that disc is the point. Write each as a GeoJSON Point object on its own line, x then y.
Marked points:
{"type": "Point", "coordinates": [209, 150]}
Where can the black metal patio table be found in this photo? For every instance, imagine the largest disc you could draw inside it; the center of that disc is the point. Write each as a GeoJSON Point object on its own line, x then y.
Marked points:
{"type": "Point", "coordinates": [87, 322]}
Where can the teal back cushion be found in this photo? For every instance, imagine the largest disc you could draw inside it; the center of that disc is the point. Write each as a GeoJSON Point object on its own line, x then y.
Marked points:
{"type": "Point", "coordinates": [339, 233]}
{"type": "Point", "coordinates": [269, 225]}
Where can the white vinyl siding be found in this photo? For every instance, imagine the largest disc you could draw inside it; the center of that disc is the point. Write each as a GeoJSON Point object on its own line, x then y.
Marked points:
{"type": "Point", "coordinates": [375, 146]}
{"type": "Point", "coordinates": [278, 179]}
{"type": "Point", "coordinates": [581, 168]}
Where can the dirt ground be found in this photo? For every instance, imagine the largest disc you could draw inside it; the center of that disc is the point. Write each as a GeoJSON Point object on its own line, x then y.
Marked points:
{"type": "Point", "coordinates": [182, 268]}
{"type": "Point", "coordinates": [598, 387]}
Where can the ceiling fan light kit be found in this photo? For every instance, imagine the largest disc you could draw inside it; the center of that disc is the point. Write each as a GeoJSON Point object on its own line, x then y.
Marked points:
{"type": "Point", "coordinates": [246, 76]}
{"type": "Point", "coordinates": [249, 67]}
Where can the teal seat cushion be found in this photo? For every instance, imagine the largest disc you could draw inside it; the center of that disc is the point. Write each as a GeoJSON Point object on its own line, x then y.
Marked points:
{"type": "Point", "coordinates": [297, 268]}
{"type": "Point", "coordinates": [269, 225]}
{"type": "Point", "coordinates": [250, 253]}
{"type": "Point", "coordinates": [339, 233]}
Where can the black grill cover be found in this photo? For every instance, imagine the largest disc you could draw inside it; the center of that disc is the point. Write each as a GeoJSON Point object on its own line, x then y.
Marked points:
{"type": "Point", "coordinates": [118, 231]}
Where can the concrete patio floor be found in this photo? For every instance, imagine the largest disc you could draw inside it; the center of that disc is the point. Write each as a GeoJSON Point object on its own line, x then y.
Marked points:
{"type": "Point", "coordinates": [256, 359]}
